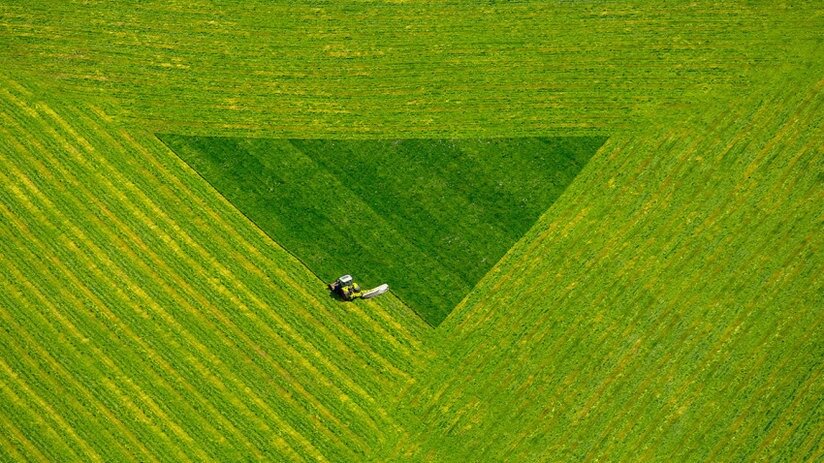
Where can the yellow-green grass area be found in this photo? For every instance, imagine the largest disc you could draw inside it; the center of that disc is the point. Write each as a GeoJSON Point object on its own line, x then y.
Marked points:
{"type": "Point", "coordinates": [131, 330]}
{"type": "Point", "coordinates": [428, 217]}
{"type": "Point", "coordinates": [420, 69]}
{"type": "Point", "coordinates": [668, 307]}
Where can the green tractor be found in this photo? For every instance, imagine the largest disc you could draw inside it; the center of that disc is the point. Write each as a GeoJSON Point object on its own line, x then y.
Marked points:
{"type": "Point", "coordinates": [348, 290]}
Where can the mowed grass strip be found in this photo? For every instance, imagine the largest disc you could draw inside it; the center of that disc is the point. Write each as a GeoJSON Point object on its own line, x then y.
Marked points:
{"type": "Point", "coordinates": [63, 299]}
{"type": "Point", "coordinates": [260, 267]}
{"type": "Point", "coordinates": [397, 326]}
{"type": "Point", "coordinates": [241, 334]}
{"type": "Point", "coordinates": [664, 316]}
{"type": "Point", "coordinates": [429, 217]}
{"type": "Point", "coordinates": [160, 213]}
{"type": "Point", "coordinates": [154, 211]}
{"type": "Point", "coordinates": [110, 218]}
{"type": "Point", "coordinates": [45, 255]}
{"type": "Point", "coordinates": [257, 263]}
{"type": "Point", "coordinates": [260, 276]}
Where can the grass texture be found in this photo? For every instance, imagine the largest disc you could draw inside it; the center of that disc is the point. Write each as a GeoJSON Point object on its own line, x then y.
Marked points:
{"type": "Point", "coordinates": [667, 307]}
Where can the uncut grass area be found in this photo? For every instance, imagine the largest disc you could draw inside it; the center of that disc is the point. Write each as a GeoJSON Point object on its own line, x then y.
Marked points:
{"type": "Point", "coordinates": [429, 217]}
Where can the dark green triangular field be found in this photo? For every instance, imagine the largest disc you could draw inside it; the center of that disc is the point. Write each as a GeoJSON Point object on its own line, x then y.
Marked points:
{"type": "Point", "coordinates": [429, 217]}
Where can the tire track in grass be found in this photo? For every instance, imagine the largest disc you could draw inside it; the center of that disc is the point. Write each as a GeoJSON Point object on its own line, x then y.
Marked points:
{"type": "Point", "coordinates": [100, 276]}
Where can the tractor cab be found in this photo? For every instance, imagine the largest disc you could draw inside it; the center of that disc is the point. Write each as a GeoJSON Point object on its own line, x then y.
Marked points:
{"type": "Point", "coordinates": [344, 281]}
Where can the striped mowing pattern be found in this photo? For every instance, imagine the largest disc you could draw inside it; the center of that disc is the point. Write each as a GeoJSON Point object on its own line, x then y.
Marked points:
{"type": "Point", "coordinates": [132, 330]}
{"type": "Point", "coordinates": [668, 307]}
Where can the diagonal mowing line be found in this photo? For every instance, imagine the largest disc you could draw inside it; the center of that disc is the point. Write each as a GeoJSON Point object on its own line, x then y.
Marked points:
{"type": "Point", "coordinates": [290, 282]}
{"type": "Point", "coordinates": [362, 205]}
{"type": "Point", "coordinates": [63, 379]}
{"type": "Point", "coordinates": [177, 164]}
{"type": "Point", "coordinates": [31, 448]}
{"type": "Point", "coordinates": [261, 232]}
{"type": "Point", "coordinates": [24, 277]}
{"type": "Point", "coordinates": [8, 436]}
{"type": "Point", "coordinates": [51, 414]}
{"type": "Point", "coordinates": [254, 250]}
{"type": "Point", "coordinates": [532, 249]}
{"type": "Point", "coordinates": [161, 214]}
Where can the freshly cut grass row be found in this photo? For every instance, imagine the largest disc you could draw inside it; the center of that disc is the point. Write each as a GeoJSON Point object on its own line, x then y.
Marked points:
{"type": "Point", "coordinates": [55, 314]}
{"type": "Point", "coordinates": [202, 351]}
{"type": "Point", "coordinates": [390, 329]}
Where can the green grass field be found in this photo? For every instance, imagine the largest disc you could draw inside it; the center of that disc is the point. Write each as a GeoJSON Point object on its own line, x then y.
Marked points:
{"type": "Point", "coordinates": [430, 217]}
{"type": "Point", "coordinates": [668, 306]}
